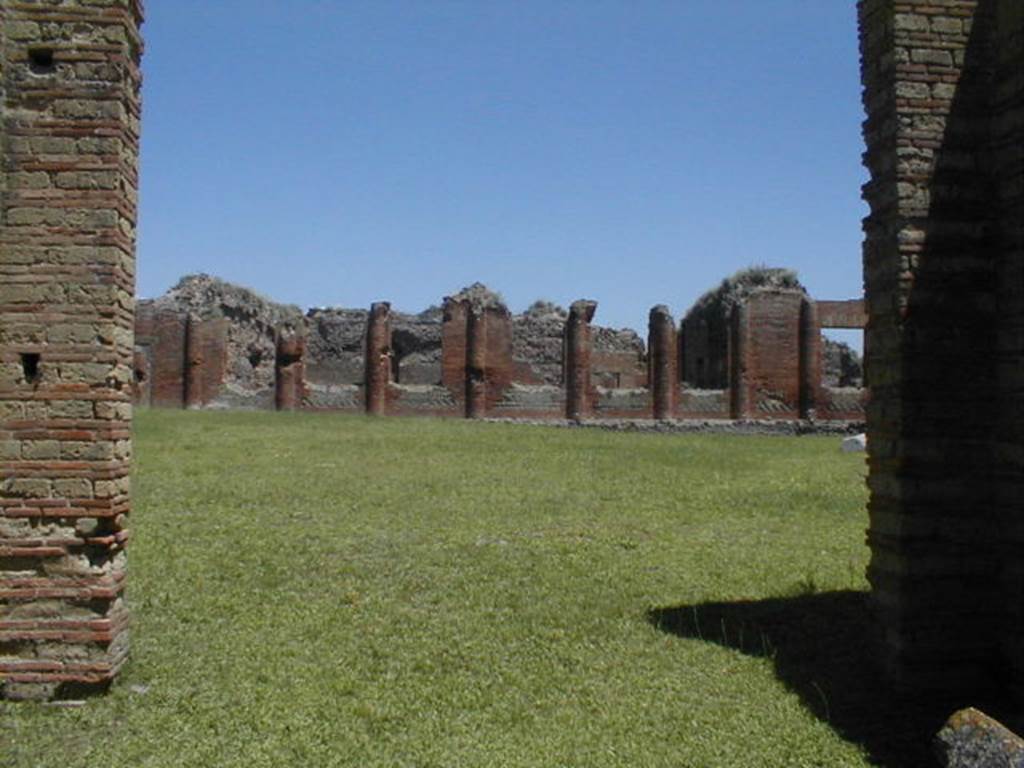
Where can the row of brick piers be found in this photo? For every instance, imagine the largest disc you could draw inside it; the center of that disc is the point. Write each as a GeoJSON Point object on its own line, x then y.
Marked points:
{"type": "Point", "coordinates": [474, 377]}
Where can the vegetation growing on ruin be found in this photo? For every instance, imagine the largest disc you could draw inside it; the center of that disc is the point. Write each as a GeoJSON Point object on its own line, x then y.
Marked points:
{"type": "Point", "coordinates": [324, 590]}
{"type": "Point", "coordinates": [718, 303]}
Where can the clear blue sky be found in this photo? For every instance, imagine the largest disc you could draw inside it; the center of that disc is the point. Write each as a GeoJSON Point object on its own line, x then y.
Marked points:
{"type": "Point", "coordinates": [338, 152]}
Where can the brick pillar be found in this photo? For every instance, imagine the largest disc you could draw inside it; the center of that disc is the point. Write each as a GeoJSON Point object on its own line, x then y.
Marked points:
{"type": "Point", "coordinates": [289, 370]}
{"type": "Point", "coordinates": [739, 384]}
{"type": "Point", "coordinates": [378, 357]}
{"type": "Point", "coordinates": [663, 362]}
{"type": "Point", "coordinates": [476, 362]}
{"type": "Point", "coordinates": [930, 276]}
{"type": "Point", "coordinates": [194, 359]}
{"type": "Point", "coordinates": [577, 359]}
{"type": "Point", "coordinates": [810, 359]}
{"type": "Point", "coordinates": [69, 112]}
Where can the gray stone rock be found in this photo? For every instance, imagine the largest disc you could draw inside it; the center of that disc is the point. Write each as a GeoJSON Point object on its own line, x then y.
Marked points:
{"type": "Point", "coordinates": [854, 443]}
{"type": "Point", "coordinates": [972, 739]}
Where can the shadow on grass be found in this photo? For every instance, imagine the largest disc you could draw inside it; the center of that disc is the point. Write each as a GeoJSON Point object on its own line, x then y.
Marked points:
{"type": "Point", "coordinates": [823, 649]}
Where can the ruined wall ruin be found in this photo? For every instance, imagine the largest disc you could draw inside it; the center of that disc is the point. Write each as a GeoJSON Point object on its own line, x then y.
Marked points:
{"type": "Point", "coordinates": [211, 344]}
{"type": "Point", "coordinates": [943, 259]}
{"type": "Point", "coordinates": [757, 339]}
{"type": "Point", "coordinates": [943, 265]}
{"type": "Point", "coordinates": [69, 133]}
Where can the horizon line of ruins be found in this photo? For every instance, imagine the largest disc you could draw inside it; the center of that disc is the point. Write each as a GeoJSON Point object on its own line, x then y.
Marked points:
{"type": "Point", "coordinates": [751, 349]}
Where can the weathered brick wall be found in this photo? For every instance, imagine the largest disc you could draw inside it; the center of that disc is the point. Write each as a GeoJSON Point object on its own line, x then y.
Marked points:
{"type": "Point", "coordinates": [773, 353]}
{"type": "Point", "coordinates": [335, 358]}
{"type": "Point", "coordinates": [850, 313]}
{"type": "Point", "coordinates": [933, 263]}
{"type": "Point", "coordinates": [1008, 162]}
{"type": "Point", "coordinates": [500, 370]}
{"type": "Point", "coordinates": [538, 338]}
{"type": "Point", "coordinates": [704, 345]}
{"type": "Point", "coordinates": [203, 345]}
{"type": "Point", "coordinates": [206, 361]}
{"type": "Point", "coordinates": [160, 338]}
{"type": "Point", "coordinates": [618, 358]}
{"type": "Point", "coordinates": [416, 347]}
{"type": "Point", "coordinates": [69, 144]}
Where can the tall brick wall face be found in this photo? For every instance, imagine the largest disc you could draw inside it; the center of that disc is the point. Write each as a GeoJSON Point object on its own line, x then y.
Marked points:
{"type": "Point", "coordinates": [160, 337]}
{"type": "Point", "coordinates": [69, 145]}
{"type": "Point", "coordinates": [1008, 150]}
{"type": "Point", "coordinates": [943, 277]}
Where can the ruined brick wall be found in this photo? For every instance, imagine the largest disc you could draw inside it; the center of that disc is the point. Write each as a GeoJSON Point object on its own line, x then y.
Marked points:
{"type": "Point", "coordinates": [842, 314]}
{"type": "Point", "coordinates": [416, 347]}
{"type": "Point", "coordinates": [705, 357]}
{"type": "Point", "coordinates": [160, 343]}
{"type": "Point", "coordinates": [772, 363]}
{"type": "Point", "coordinates": [538, 339]}
{"type": "Point", "coordinates": [942, 268]}
{"type": "Point", "coordinates": [1008, 163]}
{"type": "Point", "coordinates": [227, 337]}
{"type": "Point", "coordinates": [335, 358]}
{"type": "Point", "coordinates": [208, 343]}
{"type": "Point", "coordinates": [619, 358]}
{"type": "Point", "coordinates": [69, 130]}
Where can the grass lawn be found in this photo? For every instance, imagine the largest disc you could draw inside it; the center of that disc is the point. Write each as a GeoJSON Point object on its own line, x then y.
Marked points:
{"type": "Point", "coordinates": [317, 590]}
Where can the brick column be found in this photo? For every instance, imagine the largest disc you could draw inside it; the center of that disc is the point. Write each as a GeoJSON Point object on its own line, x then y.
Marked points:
{"type": "Point", "coordinates": [739, 384]}
{"type": "Point", "coordinates": [929, 268]}
{"type": "Point", "coordinates": [577, 359]}
{"type": "Point", "coordinates": [194, 396]}
{"type": "Point", "coordinates": [810, 359]}
{"type": "Point", "coordinates": [289, 370]}
{"type": "Point", "coordinates": [378, 357]}
{"type": "Point", "coordinates": [663, 363]}
{"type": "Point", "coordinates": [69, 118]}
{"type": "Point", "coordinates": [476, 362]}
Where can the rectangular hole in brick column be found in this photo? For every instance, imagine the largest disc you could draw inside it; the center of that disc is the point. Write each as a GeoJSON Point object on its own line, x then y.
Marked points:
{"type": "Point", "coordinates": [40, 61]}
{"type": "Point", "coordinates": [30, 367]}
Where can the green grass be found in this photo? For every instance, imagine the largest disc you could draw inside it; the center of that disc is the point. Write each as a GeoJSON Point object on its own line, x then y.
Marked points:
{"type": "Point", "coordinates": [321, 590]}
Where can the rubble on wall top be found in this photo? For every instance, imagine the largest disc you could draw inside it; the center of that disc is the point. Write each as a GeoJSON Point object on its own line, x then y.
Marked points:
{"type": "Point", "coordinates": [733, 289]}
{"type": "Point", "coordinates": [479, 297]}
{"type": "Point", "coordinates": [542, 309]}
{"type": "Point", "coordinates": [206, 296]}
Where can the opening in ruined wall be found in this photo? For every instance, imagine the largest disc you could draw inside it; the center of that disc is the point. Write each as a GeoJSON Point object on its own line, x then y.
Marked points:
{"type": "Point", "coordinates": [30, 367]}
{"type": "Point", "coordinates": [842, 362]}
{"type": "Point", "coordinates": [41, 61]}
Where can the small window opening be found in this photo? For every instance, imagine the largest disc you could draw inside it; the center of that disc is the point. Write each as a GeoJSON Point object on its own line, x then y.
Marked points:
{"type": "Point", "coordinates": [40, 61]}
{"type": "Point", "coordinates": [30, 367]}
{"type": "Point", "coordinates": [255, 357]}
